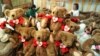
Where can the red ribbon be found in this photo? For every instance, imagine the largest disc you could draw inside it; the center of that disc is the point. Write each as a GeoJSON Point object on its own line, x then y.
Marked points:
{"type": "Point", "coordinates": [75, 19]}
{"type": "Point", "coordinates": [2, 25]}
{"type": "Point", "coordinates": [60, 20]}
{"type": "Point", "coordinates": [21, 20]}
{"type": "Point", "coordinates": [48, 16]}
{"type": "Point", "coordinates": [57, 43]}
{"type": "Point", "coordinates": [40, 15]}
{"type": "Point", "coordinates": [11, 23]}
{"type": "Point", "coordinates": [62, 27]}
{"type": "Point", "coordinates": [64, 50]}
{"type": "Point", "coordinates": [25, 43]}
{"type": "Point", "coordinates": [35, 44]}
{"type": "Point", "coordinates": [44, 44]}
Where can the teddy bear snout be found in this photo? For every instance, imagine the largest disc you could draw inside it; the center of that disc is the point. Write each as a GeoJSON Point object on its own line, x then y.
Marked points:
{"type": "Point", "coordinates": [38, 38]}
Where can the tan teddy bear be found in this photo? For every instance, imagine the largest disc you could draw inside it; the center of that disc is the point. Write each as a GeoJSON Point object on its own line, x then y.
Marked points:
{"type": "Point", "coordinates": [70, 26]}
{"type": "Point", "coordinates": [63, 42]}
{"type": "Point", "coordinates": [40, 43]}
{"type": "Point", "coordinates": [59, 14]}
{"type": "Point", "coordinates": [15, 17]}
{"type": "Point", "coordinates": [26, 36]}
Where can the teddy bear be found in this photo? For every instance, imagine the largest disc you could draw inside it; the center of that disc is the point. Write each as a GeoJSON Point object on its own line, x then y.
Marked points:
{"type": "Point", "coordinates": [43, 16]}
{"type": "Point", "coordinates": [15, 17]}
{"type": "Point", "coordinates": [25, 38]}
{"type": "Point", "coordinates": [61, 40]}
{"type": "Point", "coordinates": [58, 14]}
{"type": "Point", "coordinates": [40, 43]}
{"type": "Point", "coordinates": [92, 25]}
{"type": "Point", "coordinates": [70, 26]}
{"type": "Point", "coordinates": [92, 45]}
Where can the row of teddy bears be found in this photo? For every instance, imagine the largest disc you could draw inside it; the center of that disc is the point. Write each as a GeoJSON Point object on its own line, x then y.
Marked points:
{"type": "Point", "coordinates": [49, 34]}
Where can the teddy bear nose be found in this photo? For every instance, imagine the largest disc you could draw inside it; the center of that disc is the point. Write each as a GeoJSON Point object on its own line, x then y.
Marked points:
{"type": "Point", "coordinates": [38, 38]}
{"type": "Point", "coordinates": [13, 15]}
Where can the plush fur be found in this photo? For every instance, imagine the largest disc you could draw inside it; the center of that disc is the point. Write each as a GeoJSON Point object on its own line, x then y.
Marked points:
{"type": "Point", "coordinates": [6, 40]}
{"type": "Point", "coordinates": [40, 36]}
{"type": "Point", "coordinates": [90, 42]}
{"type": "Point", "coordinates": [15, 14]}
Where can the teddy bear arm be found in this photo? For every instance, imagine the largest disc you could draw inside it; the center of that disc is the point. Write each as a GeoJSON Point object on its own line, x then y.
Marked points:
{"type": "Point", "coordinates": [86, 45]}
{"type": "Point", "coordinates": [12, 40]}
{"type": "Point", "coordinates": [27, 47]}
{"type": "Point", "coordinates": [30, 51]}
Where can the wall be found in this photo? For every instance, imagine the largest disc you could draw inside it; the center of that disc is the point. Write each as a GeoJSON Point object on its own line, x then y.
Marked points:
{"type": "Point", "coordinates": [17, 3]}
{"type": "Point", "coordinates": [84, 5]}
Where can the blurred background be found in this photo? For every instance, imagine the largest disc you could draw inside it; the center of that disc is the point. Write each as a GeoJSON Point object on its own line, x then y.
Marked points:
{"type": "Point", "coordinates": [84, 5]}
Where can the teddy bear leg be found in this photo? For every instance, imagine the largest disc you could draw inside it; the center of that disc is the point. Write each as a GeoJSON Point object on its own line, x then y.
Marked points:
{"type": "Point", "coordinates": [89, 54]}
{"type": "Point", "coordinates": [33, 22]}
{"type": "Point", "coordinates": [51, 51]}
{"type": "Point", "coordinates": [31, 51]}
{"type": "Point", "coordinates": [77, 53]}
{"type": "Point", "coordinates": [41, 51]}
{"type": "Point", "coordinates": [26, 48]}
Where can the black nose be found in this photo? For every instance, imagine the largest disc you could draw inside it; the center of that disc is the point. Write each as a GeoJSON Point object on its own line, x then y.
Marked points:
{"type": "Point", "coordinates": [13, 15]}
{"type": "Point", "coordinates": [38, 38]}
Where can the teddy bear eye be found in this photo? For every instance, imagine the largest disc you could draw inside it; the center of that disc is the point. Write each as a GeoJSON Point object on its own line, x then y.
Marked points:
{"type": "Point", "coordinates": [53, 12]}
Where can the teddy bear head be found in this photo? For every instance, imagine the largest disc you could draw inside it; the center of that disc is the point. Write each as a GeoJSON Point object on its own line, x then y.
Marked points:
{"type": "Point", "coordinates": [42, 35]}
{"type": "Point", "coordinates": [68, 38]}
{"type": "Point", "coordinates": [72, 25]}
{"type": "Point", "coordinates": [14, 13]}
{"type": "Point", "coordinates": [59, 12]}
{"type": "Point", "coordinates": [95, 31]}
{"type": "Point", "coordinates": [96, 38]}
{"type": "Point", "coordinates": [26, 32]}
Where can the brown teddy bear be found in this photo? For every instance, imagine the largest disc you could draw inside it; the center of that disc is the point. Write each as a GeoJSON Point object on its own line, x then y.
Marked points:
{"type": "Point", "coordinates": [70, 26]}
{"type": "Point", "coordinates": [40, 43]}
{"type": "Point", "coordinates": [92, 43]}
{"type": "Point", "coordinates": [58, 14]}
{"type": "Point", "coordinates": [15, 16]}
{"type": "Point", "coordinates": [63, 41]}
{"type": "Point", "coordinates": [43, 18]}
{"type": "Point", "coordinates": [26, 35]}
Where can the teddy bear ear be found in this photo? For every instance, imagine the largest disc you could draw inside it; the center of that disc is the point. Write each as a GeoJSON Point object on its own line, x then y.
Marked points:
{"type": "Point", "coordinates": [20, 10]}
{"type": "Point", "coordinates": [6, 12]}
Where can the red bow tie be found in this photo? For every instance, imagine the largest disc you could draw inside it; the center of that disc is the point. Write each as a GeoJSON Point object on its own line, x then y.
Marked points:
{"type": "Point", "coordinates": [2, 25]}
{"type": "Point", "coordinates": [42, 44]}
{"type": "Point", "coordinates": [63, 49]}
